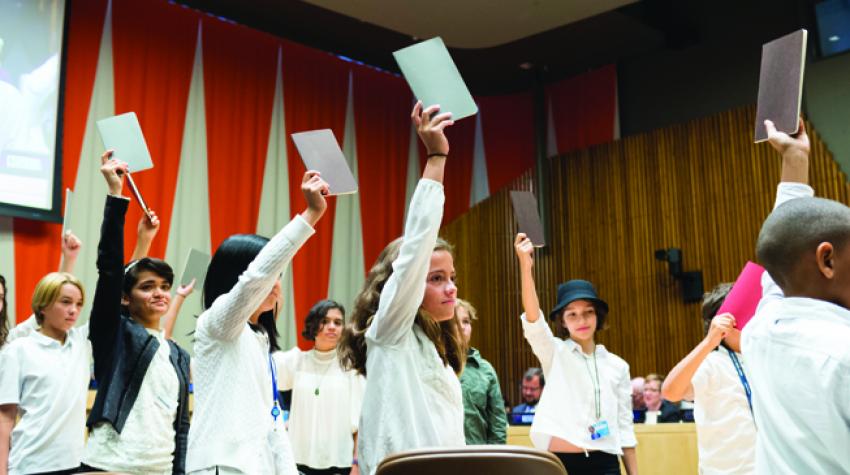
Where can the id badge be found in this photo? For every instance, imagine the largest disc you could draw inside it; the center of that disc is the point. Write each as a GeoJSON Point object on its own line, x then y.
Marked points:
{"type": "Point", "coordinates": [599, 430]}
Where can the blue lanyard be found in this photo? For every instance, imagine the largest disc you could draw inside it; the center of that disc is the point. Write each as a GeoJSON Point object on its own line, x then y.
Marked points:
{"type": "Point", "coordinates": [743, 377]}
{"type": "Point", "coordinates": [275, 394]}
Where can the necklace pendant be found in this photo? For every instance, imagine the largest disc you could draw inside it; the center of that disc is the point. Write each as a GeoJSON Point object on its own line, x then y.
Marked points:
{"type": "Point", "coordinates": [316, 392]}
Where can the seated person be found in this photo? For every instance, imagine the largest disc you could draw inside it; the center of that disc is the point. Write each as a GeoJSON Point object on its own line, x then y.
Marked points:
{"type": "Point", "coordinates": [532, 387]}
{"type": "Point", "coordinates": [657, 409]}
{"type": "Point", "coordinates": [638, 403]}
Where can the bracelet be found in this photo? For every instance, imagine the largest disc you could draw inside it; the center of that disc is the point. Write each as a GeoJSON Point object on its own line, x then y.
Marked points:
{"type": "Point", "coordinates": [354, 462]}
{"type": "Point", "coordinates": [438, 154]}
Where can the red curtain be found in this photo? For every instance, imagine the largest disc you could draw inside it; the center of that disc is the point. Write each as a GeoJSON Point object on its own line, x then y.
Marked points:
{"type": "Point", "coordinates": [315, 92]}
{"type": "Point", "coordinates": [37, 243]}
{"type": "Point", "coordinates": [153, 46]}
{"type": "Point", "coordinates": [507, 124]}
{"type": "Point", "coordinates": [458, 176]}
{"type": "Point", "coordinates": [383, 140]}
{"type": "Point", "coordinates": [239, 79]}
{"type": "Point", "coordinates": [583, 108]}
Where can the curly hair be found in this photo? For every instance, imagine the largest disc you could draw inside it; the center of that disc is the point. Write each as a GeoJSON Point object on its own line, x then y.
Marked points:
{"type": "Point", "coordinates": [445, 335]}
{"type": "Point", "coordinates": [313, 321]}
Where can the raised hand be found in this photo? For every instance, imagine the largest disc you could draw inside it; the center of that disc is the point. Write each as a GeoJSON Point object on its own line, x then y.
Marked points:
{"type": "Point", "coordinates": [148, 228]}
{"type": "Point", "coordinates": [796, 145]}
{"type": "Point", "coordinates": [71, 245]}
{"type": "Point", "coordinates": [430, 127]}
{"type": "Point", "coordinates": [721, 325]}
{"type": "Point", "coordinates": [113, 171]}
{"type": "Point", "coordinates": [524, 250]}
{"type": "Point", "coordinates": [314, 189]}
{"type": "Point", "coordinates": [186, 290]}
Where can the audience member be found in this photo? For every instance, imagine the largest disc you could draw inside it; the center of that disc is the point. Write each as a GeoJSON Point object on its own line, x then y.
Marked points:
{"type": "Point", "coordinates": [43, 380]}
{"type": "Point", "coordinates": [404, 336]}
{"type": "Point", "coordinates": [585, 411]}
{"type": "Point", "coordinates": [238, 422]}
{"type": "Point", "coordinates": [531, 388]}
{"type": "Point", "coordinates": [326, 399]}
{"type": "Point", "coordinates": [796, 346]}
{"type": "Point", "coordinates": [638, 384]}
{"type": "Point", "coordinates": [657, 409]}
{"type": "Point", "coordinates": [483, 406]}
{"type": "Point", "coordinates": [709, 376]}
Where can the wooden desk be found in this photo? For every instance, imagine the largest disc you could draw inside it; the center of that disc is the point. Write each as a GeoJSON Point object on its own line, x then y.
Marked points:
{"type": "Point", "coordinates": [662, 448]}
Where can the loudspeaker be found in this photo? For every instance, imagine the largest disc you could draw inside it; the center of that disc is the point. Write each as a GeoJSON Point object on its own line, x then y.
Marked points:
{"type": "Point", "coordinates": [692, 288]}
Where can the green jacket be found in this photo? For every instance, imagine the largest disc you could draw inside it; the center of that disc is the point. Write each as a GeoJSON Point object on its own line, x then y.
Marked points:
{"type": "Point", "coordinates": [483, 407]}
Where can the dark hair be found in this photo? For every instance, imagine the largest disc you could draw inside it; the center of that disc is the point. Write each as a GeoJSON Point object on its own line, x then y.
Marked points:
{"type": "Point", "coordinates": [149, 264]}
{"type": "Point", "coordinates": [231, 260]}
{"type": "Point", "coordinates": [320, 310]}
{"type": "Point", "coordinates": [601, 314]}
{"type": "Point", "coordinates": [4, 314]}
{"type": "Point", "coordinates": [530, 373]}
{"type": "Point", "coordinates": [711, 302]}
{"type": "Point", "coordinates": [797, 227]}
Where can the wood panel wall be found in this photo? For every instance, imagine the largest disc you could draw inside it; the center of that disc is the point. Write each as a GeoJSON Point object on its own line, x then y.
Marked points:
{"type": "Point", "coordinates": [702, 186]}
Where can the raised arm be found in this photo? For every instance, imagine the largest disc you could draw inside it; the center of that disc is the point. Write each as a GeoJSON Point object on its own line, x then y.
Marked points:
{"type": "Point", "coordinates": [145, 232]}
{"type": "Point", "coordinates": [106, 305]}
{"type": "Point", "coordinates": [536, 330]}
{"type": "Point", "coordinates": [404, 290]}
{"type": "Point", "coordinates": [71, 246]}
{"type": "Point", "coordinates": [170, 318]}
{"type": "Point", "coordinates": [677, 385]}
{"type": "Point", "coordinates": [230, 312]}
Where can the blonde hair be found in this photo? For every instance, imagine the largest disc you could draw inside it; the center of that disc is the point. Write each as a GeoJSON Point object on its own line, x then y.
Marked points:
{"type": "Point", "coordinates": [464, 304]}
{"type": "Point", "coordinates": [48, 289]}
{"type": "Point", "coordinates": [654, 377]}
{"type": "Point", "coordinates": [445, 335]}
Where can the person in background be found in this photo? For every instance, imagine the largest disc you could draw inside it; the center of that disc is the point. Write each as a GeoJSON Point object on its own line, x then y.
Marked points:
{"type": "Point", "coordinates": [531, 388]}
{"type": "Point", "coordinates": [483, 406]}
{"type": "Point", "coordinates": [585, 412]}
{"type": "Point", "coordinates": [43, 380]}
{"type": "Point", "coordinates": [638, 404]}
{"type": "Point", "coordinates": [4, 314]}
{"type": "Point", "coordinates": [326, 399]}
{"type": "Point", "coordinates": [657, 409]}
{"type": "Point", "coordinates": [709, 376]}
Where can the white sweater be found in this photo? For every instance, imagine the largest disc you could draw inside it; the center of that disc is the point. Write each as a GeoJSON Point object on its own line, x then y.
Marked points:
{"type": "Point", "coordinates": [232, 425]}
{"type": "Point", "coordinates": [412, 399]}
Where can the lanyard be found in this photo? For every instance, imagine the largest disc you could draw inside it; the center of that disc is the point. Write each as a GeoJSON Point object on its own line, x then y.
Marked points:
{"type": "Point", "coordinates": [275, 394]}
{"type": "Point", "coordinates": [743, 377]}
{"type": "Point", "coordinates": [596, 395]}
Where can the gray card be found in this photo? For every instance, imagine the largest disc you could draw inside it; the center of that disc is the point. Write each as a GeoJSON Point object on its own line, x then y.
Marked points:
{"type": "Point", "coordinates": [195, 268]}
{"type": "Point", "coordinates": [123, 134]}
{"type": "Point", "coordinates": [783, 63]}
{"type": "Point", "coordinates": [320, 151]}
{"type": "Point", "coordinates": [525, 210]}
{"type": "Point", "coordinates": [434, 78]}
{"type": "Point", "coordinates": [66, 218]}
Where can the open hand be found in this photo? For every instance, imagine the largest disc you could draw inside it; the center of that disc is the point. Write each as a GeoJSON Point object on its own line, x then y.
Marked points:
{"type": "Point", "coordinates": [524, 250]}
{"type": "Point", "coordinates": [788, 145]}
{"type": "Point", "coordinates": [114, 171]}
{"type": "Point", "coordinates": [430, 127]}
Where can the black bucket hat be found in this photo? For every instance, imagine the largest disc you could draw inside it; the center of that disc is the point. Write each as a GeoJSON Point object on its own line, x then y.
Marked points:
{"type": "Point", "coordinates": [573, 290]}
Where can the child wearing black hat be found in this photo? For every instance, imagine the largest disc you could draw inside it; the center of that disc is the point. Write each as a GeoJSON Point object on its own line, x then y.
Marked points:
{"type": "Point", "coordinates": [585, 413]}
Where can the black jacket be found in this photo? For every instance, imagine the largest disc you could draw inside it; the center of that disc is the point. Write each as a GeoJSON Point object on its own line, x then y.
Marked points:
{"type": "Point", "coordinates": [121, 347]}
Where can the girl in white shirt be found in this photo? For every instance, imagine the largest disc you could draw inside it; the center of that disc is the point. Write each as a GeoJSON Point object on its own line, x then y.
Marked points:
{"type": "Point", "coordinates": [43, 378]}
{"type": "Point", "coordinates": [238, 425]}
{"type": "Point", "coordinates": [585, 412]}
{"type": "Point", "coordinates": [326, 399]}
{"type": "Point", "coordinates": [404, 336]}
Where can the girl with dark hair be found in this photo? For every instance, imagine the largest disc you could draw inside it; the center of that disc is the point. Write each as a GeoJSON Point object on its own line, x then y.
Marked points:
{"type": "Point", "coordinates": [585, 412]}
{"type": "Point", "coordinates": [326, 399]}
{"type": "Point", "coordinates": [237, 426]}
{"type": "Point", "coordinates": [140, 416]}
{"type": "Point", "coordinates": [404, 336]}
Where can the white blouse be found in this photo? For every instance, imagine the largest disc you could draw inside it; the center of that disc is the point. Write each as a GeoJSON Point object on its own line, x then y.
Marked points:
{"type": "Point", "coordinates": [412, 399]}
{"type": "Point", "coordinates": [325, 406]}
{"type": "Point", "coordinates": [567, 407]}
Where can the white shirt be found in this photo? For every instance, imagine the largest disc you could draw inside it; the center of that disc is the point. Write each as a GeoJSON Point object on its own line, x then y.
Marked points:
{"type": "Point", "coordinates": [726, 433]}
{"type": "Point", "coordinates": [798, 355]}
{"type": "Point", "coordinates": [567, 406]}
{"type": "Point", "coordinates": [412, 399]}
{"type": "Point", "coordinates": [48, 381]}
{"type": "Point", "coordinates": [232, 425]}
{"type": "Point", "coordinates": [146, 442]}
{"type": "Point", "coordinates": [335, 409]}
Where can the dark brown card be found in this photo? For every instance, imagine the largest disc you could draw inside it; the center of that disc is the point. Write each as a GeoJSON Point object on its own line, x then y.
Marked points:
{"type": "Point", "coordinates": [525, 210]}
{"type": "Point", "coordinates": [783, 63]}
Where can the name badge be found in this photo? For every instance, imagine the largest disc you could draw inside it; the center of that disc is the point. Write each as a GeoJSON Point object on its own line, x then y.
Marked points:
{"type": "Point", "coordinates": [599, 430]}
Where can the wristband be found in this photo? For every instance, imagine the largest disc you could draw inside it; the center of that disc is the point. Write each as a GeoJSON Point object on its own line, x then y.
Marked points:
{"type": "Point", "coordinates": [354, 462]}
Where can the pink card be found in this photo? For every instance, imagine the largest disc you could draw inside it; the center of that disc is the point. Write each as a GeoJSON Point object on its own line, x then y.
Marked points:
{"type": "Point", "coordinates": [745, 295]}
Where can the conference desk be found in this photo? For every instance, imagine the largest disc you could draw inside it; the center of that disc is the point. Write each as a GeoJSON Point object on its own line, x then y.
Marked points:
{"type": "Point", "coordinates": [663, 449]}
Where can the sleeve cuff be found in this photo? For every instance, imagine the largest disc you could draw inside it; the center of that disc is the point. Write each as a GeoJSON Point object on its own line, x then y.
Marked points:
{"type": "Point", "coordinates": [535, 325]}
{"type": "Point", "coordinates": [787, 191]}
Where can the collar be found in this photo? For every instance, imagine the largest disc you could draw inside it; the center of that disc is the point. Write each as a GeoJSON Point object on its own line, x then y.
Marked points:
{"type": "Point", "coordinates": [323, 356]}
{"type": "Point", "coordinates": [576, 348]}
{"type": "Point", "coordinates": [45, 340]}
{"type": "Point", "coordinates": [474, 357]}
{"type": "Point", "coordinates": [804, 308]}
